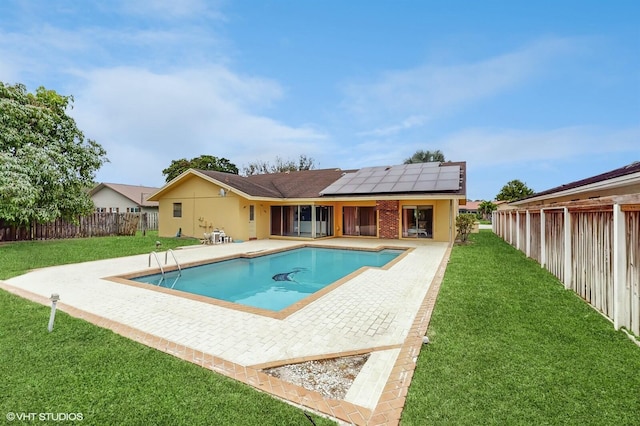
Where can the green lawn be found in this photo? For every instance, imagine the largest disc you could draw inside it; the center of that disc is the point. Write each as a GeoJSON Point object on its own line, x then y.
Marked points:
{"type": "Point", "coordinates": [18, 258]}
{"type": "Point", "coordinates": [81, 368]}
{"type": "Point", "coordinates": [509, 345]}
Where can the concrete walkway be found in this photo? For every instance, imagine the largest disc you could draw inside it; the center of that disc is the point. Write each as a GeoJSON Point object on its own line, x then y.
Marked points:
{"type": "Point", "coordinates": [371, 312]}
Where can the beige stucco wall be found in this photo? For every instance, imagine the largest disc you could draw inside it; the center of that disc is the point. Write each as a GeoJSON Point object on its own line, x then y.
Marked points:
{"type": "Point", "coordinates": [203, 210]}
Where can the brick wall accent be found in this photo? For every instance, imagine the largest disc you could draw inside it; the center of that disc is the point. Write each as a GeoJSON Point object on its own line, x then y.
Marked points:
{"type": "Point", "coordinates": [388, 219]}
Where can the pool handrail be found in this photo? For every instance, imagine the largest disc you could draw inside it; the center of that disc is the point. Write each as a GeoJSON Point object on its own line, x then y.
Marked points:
{"type": "Point", "coordinates": [159, 264]}
{"type": "Point", "coordinates": [166, 254]}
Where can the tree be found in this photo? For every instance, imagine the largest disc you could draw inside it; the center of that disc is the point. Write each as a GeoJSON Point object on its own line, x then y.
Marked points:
{"type": "Point", "coordinates": [464, 225]}
{"type": "Point", "coordinates": [485, 208]}
{"type": "Point", "coordinates": [264, 167]}
{"type": "Point", "coordinates": [421, 156]}
{"type": "Point", "coordinates": [46, 163]}
{"type": "Point", "coordinates": [514, 190]}
{"type": "Point", "coordinates": [203, 162]}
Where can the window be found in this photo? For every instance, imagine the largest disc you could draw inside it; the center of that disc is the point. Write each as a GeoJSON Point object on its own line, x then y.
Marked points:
{"type": "Point", "coordinates": [177, 209]}
{"type": "Point", "coordinates": [133, 209]}
{"type": "Point", "coordinates": [359, 221]}
{"type": "Point", "coordinates": [114, 209]}
{"type": "Point", "coordinates": [101, 209]}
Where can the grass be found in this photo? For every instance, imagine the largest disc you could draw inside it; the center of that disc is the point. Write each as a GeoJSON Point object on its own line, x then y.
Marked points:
{"type": "Point", "coordinates": [81, 368]}
{"type": "Point", "coordinates": [18, 258]}
{"type": "Point", "coordinates": [509, 345]}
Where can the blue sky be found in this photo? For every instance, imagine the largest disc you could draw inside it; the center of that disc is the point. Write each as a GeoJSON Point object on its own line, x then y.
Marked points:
{"type": "Point", "coordinates": [547, 92]}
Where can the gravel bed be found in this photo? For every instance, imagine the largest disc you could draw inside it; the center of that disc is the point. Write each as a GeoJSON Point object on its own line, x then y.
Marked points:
{"type": "Point", "coordinates": [330, 377]}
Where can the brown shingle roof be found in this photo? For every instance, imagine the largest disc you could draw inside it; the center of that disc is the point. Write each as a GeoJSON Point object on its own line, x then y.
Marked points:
{"type": "Point", "coordinates": [299, 184]}
{"type": "Point", "coordinates": [619, 172]}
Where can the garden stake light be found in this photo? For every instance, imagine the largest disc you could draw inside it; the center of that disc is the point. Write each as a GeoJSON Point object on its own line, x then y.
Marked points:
{"type": "Point", "coordinates": [54, 299]}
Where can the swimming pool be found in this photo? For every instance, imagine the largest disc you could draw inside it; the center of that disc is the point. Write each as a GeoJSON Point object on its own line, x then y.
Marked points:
{"type": "Point", "coordinates": [273, 281]}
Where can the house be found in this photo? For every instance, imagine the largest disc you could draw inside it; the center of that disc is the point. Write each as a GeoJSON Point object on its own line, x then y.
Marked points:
{"type": "Point", "coordinates": [470, 207]}
{"type": "Point", "coordinates": [587, 234]}
{"type": "Point", "coordinates": [404, 201]}
{"type": "Point", "coordinates": [621, 181]}
{"type": "Point", "coordinates": [503, 205]}
{"type": "Point", "coordinates": [118, 198]}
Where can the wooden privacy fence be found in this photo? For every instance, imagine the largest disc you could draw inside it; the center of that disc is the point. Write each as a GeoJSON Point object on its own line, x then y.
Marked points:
{"type": "Point", "coordinates": [148, 221]}
{"type": "Point", "coordinates": [94, 225]}
{"type": "Point", "coordinates": [593, 247]}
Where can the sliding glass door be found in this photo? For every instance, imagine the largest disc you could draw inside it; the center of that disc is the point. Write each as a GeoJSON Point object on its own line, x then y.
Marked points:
{"type": "Point", "coordinates": [302, 221]}
{"type": "Point", "coordinates": [417, 221]}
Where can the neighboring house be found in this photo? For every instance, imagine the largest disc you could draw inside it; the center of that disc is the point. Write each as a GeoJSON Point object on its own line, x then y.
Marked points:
{"type": "Point", "coordinates": [470, 207]}
{"type": "Point", "coordinates": [622, 181]}
{"type": "Point", "coordinates": [503, 205]}
{"type": "Point", "coordinates": [404, 201]}
{"type": "Point", "coordinates": [587, 234]}
{"type": "Point", "coordinates": [118, 198]}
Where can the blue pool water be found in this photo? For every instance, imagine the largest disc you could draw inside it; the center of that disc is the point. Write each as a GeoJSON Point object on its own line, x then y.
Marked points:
{"type": "Point", "coordinates": [273, 281]}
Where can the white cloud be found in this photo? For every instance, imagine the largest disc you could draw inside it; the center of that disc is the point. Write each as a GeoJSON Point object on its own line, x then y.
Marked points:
{"type": "Point", "coordinates": [489, 147]}
{"type": "Point", "coordinates": [431, 90]}
{"type": "Point", "coordinates": [185, 114]}
{"type": "Point", "coordinates": [408, 123]}
{"type": "Point", "coordinates": [172, 9]}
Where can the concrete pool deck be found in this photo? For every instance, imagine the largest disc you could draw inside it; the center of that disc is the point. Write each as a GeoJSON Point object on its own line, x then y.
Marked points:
{"type": "Point", "coordinates": [384, 312]}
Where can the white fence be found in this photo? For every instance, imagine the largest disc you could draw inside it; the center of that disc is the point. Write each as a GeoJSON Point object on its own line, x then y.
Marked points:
{"type": "Point", "coordinates": [593, 247]}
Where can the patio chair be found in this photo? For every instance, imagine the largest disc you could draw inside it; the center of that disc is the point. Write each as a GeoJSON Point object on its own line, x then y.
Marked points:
{"type": "Point", "coordinates": [417, 231]}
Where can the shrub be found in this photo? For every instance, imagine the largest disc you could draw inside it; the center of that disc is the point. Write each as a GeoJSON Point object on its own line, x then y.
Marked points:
{"type": "Point", "coordinates": [464, 225]}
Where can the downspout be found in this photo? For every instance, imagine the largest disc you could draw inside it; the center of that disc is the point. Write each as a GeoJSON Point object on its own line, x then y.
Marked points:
{"type": "Point", "coordinates": [452, 237]}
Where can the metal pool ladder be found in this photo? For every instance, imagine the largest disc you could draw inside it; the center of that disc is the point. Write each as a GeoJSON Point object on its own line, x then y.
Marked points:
{"type": "Point", "coordinates": [166, 256]}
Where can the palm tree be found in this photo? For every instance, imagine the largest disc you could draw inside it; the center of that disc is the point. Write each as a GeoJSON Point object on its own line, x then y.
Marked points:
{"type": "Point", "coordinates": [421, 156]}
{"type": "Point", "coordinates": [485, 208]}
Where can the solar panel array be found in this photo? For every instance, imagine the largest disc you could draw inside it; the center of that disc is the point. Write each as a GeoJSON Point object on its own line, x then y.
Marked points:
{"type": "Point", "coordinates": [417, 177]}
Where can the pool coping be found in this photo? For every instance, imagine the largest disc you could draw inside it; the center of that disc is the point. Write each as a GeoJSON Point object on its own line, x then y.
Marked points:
{"type": "Point", "coordinates": [281, 314]}
{"type": "Point", "coordinates": [390, 404]}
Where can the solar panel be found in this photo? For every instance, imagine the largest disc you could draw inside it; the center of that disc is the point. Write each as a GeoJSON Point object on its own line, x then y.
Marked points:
{"type": "Point", "coordinates": [418, 177]}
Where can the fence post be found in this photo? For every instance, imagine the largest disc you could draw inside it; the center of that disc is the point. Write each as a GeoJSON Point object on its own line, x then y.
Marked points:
{"type": "Point", "coordinates": [527, 243]}
{"type": "Point", "coordinates": [543, 240]}
{"type": "Point", "coordinates": [518, 230]}
{"type": "Point", "coordinates": [567, 273]}
{"type": "Point", "coordinates": [620, 296]}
